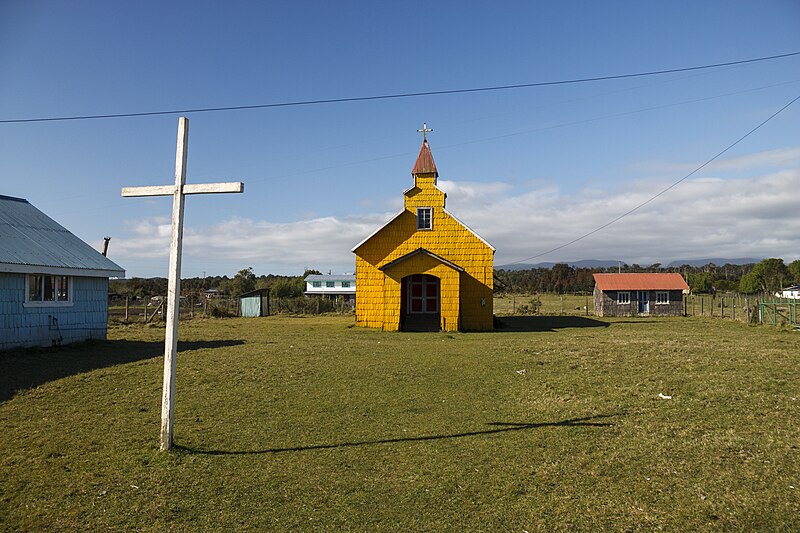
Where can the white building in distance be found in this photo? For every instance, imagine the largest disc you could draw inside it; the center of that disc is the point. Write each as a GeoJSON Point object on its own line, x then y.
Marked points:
{"type": "Point", "coordinates": [331, 286]}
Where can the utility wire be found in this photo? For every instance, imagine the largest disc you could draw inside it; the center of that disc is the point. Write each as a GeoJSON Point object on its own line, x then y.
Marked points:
{"type": "Point", "coordinates": [687, 176]}
{"type": "Point", "coordinates": [396, 95]}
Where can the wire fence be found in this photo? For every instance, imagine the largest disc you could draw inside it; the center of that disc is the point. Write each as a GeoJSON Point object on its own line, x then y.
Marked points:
{"type": "Point", "coordinates": [122, 309]}
{"type": "Point", "coordinates": [745, 308]}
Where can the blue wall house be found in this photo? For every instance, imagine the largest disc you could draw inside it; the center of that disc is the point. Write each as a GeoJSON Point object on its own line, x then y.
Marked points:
{"type": "Point", "coordinates": [53, 286]}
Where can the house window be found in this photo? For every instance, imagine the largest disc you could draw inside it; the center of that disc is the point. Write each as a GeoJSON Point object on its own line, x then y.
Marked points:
{"type": "Point", "coordinates": [424, 218]}
{"type": "Point", "coordinates": [329, 284]}
{"type": "Point", "coordinates": [345, 284]}
{"type": "Point", "coordinates": [316, 284]}
{"type": "Point", "coordinates": [623, 297]}
{"type": "Point", "coordinates": [44, 289]}
{"type": "Point", "coordinates": [662, 297]}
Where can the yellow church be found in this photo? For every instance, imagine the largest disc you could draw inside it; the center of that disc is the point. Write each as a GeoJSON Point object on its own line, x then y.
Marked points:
{"type": "Point", "coordinates": [424, 270]}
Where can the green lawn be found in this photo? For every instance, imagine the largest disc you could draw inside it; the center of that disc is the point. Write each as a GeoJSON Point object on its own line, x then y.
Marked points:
{"type": "Point", "coordinates": [308, 423]}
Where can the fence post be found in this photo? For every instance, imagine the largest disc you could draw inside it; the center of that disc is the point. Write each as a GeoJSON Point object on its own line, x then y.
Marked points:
{"type": "Point", "coordinates": [747, 309]}
{"type": "Point", "coordinates": [126, 309]}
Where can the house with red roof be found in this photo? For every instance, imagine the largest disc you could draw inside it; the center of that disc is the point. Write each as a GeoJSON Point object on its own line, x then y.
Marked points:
{"type": "Point", "coordinates": [646, 294]}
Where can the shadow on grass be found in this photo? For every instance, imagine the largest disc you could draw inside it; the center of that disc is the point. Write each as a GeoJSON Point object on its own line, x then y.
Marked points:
{"type": "Point", "coordinates": [545, 323]}
{"type": "Point", "coordinates": [25, 369]}
{"type": "Point", "coordinates": [498, 427]}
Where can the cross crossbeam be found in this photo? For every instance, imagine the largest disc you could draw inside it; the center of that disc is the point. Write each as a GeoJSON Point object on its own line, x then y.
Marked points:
{"type": "Point", "coordinates": [178, 191]}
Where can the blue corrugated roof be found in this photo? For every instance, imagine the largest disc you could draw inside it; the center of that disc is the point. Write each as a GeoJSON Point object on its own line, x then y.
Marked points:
{"type": "Point", "coordinates": [31, 239]}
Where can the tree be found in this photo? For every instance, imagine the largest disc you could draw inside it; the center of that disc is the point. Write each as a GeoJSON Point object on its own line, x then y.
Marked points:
{"type": "Point", "coordinates": [286, 288]}
{"type": "Point", "coordinates": [772, 274]}
{"type": "Point", "coordinates": [794, 270]}
{"type": "Point", "coordinates": [702, 282]}
{"type": "Point", "coordinates": [561, 276]}
{"type": "Point", "coordinates": [244, 281]}
{"type": "Point", "coordinates": [749, 284]}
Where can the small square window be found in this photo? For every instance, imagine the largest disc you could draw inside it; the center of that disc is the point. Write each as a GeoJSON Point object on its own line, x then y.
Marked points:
{"type": "Point", "coordinates": [662, 297]}
{"type": "Point", "coordinates": [316, 284]}
{"type": "Point", "coordinates": [345, 284]}
{"type": "Point", "coordinates": [623, 297]}
{"type": "Point", "coordinates": [330, 284]}
{"type": "Point", "coordinates": [424, 218]}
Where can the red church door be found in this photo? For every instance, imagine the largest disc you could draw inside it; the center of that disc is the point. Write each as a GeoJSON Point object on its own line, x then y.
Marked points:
{"type": "Point", "coordinates": [423, 294]}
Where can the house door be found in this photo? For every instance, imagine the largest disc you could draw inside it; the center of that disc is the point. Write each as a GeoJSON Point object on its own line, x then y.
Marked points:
{"type": "Point", "coordinates": [644, 302]}
{"type": "Point", "coordinates": [423, 294]}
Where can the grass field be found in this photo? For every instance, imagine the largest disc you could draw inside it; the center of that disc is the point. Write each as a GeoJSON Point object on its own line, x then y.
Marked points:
{"type": "Point", "coordinates": [287, 423]}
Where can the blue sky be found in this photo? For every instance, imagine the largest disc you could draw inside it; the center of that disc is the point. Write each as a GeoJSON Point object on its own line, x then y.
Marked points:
{"type": "Point", "coordinates": [528, 169]}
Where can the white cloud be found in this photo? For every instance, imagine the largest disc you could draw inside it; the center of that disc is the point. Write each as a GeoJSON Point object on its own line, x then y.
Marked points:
{"type": "Point", "coordinates": [267, 246]}
{"type": "Point", "coordinates": [703, 217]}
{"type": "Point", "coordinates": [761, 161]}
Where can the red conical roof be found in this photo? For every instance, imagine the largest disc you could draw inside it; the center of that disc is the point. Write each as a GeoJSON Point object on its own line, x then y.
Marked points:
{"type": "Point", "coordinates": [425, 164]}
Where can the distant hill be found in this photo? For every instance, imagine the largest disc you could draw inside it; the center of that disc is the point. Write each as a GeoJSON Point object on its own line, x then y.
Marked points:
{"type": "Point", "coordinates": [584, 263]}
{"type": "Point", "coordinates": [716, 260]}
{"type": "Point", "coordinates": [594, 263]}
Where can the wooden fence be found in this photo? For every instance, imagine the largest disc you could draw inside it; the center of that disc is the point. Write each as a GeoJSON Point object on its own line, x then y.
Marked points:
{"type": "Point", "coordinates": [154, 309]}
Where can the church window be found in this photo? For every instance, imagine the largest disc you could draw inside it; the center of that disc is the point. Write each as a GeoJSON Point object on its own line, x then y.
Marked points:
{"type": "Point", "coordinates": [424, 218]}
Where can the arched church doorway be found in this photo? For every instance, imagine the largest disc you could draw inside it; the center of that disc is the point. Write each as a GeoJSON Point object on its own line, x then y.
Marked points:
{"type": "Point", "coordinates": [420, 306]}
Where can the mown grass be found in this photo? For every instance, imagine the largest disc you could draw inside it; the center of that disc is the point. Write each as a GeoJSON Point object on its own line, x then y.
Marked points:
{"type": "Point", "coordinates": [308, 423]}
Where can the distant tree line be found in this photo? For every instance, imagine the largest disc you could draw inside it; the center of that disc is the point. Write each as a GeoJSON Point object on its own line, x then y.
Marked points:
{"type": "Point", "coordinates": [242, 282]}
{"type": "Point", "coordinates": [767, 276]}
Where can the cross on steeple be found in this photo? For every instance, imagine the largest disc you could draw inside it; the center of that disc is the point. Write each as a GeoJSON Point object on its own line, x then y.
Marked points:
{"type": "Point", "coordinates": [424, 131]}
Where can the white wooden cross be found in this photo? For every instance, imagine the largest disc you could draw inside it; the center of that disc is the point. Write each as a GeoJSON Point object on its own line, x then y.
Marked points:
{"type": "Point", "coordinates": [178, 193]}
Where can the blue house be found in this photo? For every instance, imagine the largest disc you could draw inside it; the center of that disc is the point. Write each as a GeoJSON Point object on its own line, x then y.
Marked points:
{"type": "Point", "coordinates": [53, 286]}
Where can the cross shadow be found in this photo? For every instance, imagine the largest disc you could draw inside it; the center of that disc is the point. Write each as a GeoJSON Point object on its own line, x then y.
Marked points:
{"type": "Point", "coordinates": [29, 368]}
{"type": "Point", "coordinates": [497, 427]}
{"type": "Point", "coordinates": [545, 323]}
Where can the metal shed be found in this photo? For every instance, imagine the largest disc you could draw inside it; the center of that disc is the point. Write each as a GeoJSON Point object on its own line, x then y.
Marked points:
{"type": "Point", "coordinates": [254, 303]}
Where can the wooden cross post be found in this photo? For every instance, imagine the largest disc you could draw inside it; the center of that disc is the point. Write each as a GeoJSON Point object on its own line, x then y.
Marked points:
{"type": "Point", "coordinates": [178, 193]}
{"type": "Point", "coordinates": [424, 131]}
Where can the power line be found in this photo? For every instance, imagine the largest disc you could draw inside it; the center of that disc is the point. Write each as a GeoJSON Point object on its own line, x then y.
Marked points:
{"type": "Point", "coordinates": [396, 95]}
{"type": "Point", "coordinates": [690, 174]}
{"type": "Point", "coordinates": [450, 146]}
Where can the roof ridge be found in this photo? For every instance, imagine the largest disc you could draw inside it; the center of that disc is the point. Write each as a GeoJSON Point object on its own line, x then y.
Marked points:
{"type": "Point", "coordinates": [13, 198]}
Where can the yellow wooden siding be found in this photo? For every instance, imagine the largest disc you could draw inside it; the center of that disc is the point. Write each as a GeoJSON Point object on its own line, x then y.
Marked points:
{"type": "Point", "coordinates": [466, 297]}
